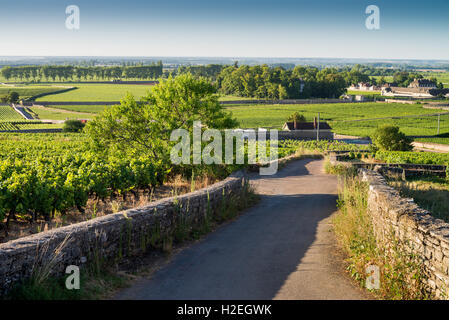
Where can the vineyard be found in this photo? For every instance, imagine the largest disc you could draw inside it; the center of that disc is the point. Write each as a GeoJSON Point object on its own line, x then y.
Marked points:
{"type": "Point", "coordinates": [413, 157]}
{"type": "Point", "coordinates": [26, 92]}
{"type": "Point", "coordinates": [42, 174]}
{"type": "Point", "coordinates": [26, 125]}
{"type": "Point", "coordinates": [8, 114]}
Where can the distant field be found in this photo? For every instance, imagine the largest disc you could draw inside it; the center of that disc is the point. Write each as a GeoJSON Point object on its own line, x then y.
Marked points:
{"type": "Point", "coordinates": [94, 109]}
{"type": "Point", "coordinates": [441, 76]}
{"type": "Point", "coordinates": [252, 116]}
{"type": "Point", "coordinates": [387, 78]}
{"type": "Point", "coordinates": [434, 140]}
{"type": "Point", "coordinates": [27, 125]}
{"type": "Point", "coordinates": [267, 116]}
{"type": "Point", "coordinates": [98, 92]}
{"type": "Point", "coordinates": [26, 92]}
{"type": "Point", "coordinates": [49, 114]}
{"type": "Point", "coordinates": [410, 126]}
{"type": "Point", "coordinates": [441, 139]}
{"type": "Point", "coordinates": [365, 93]}
{"type": "Point", "coordinates": [231, 98]}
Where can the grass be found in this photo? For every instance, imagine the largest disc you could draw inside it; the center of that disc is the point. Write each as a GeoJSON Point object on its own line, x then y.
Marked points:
{"type": "Point", "coordinates": [81, 108]}
{"type": "Point", "coordinates": [98, 92]}
{"type": "Point", "coordinates": [434, 140]}
{"type": "Point", "coordinates": [27, 125]}
{"type": "Point", "coordinates": [253, 116]}
{"type": "Point", "coordinates": [413, 157]}
{"type": "Point", "coordinates": [401, 274]}
{"type": "Point", "coordinates": [441, 139]}
{"type": "Point", "coordinates": [413, 126]}
{"type": "Point", "coordinates": [49, 114]}
{"type": "Point", "coordinates": [26, 92]}
{"type": "Point", "coordinates": [430, 193]}
{"type": "Point", "coordinates": [233, 98]}
{"type": "Point", "coordinates": [365, 93]}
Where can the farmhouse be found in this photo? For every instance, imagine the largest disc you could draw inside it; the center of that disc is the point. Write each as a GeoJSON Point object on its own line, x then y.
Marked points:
{"type": "Point", "coordinates": [364, 86]}
{"type": "Point", "coordinates": [423, 83]}
{"type": "Point", "coordinates": [308, 130]}
{"type": "Point", "coordinates": [419, 88]}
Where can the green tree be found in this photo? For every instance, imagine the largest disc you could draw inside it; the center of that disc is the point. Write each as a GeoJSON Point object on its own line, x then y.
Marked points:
{"type": "Point", "coordinates": [13, 97]}
{"type": "Point", "coordinates": [144, 127]}
{"type": "Point", "coordinates": [389, 138]}
{"type": "Point", "coordinates": [296, 116]}
{"type": "Point", "coordinates": [73, 126]}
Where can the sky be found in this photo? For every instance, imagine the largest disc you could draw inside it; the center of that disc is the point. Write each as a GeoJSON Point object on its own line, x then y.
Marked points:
{"type": "Point", "coordinates": [232, 28]}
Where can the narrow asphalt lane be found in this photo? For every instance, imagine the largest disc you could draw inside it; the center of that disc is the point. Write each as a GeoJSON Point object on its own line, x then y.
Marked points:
{"type": "Point", "coordinates": [283, 248]}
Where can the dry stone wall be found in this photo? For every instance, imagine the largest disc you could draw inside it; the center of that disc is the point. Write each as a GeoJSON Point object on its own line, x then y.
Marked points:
{"type": "Point", "coordinates": [400, 223]}
{"type": "Point", "coordinates": [113, 236]}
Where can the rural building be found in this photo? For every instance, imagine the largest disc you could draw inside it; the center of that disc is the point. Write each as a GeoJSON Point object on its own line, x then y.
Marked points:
{"type": "Point", "coordinates": [308, 130]}
{"type": "Point", "coordinates": [364, 86]}
{"type": "Point", "coordinates": [423, 83]}
{"type": "Point", "coordinates": [419, 88]}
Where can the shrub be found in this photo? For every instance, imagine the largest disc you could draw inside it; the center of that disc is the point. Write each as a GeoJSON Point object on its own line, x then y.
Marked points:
{"type": "Point", "coordinates": [389, 138]}
{"type": "Point", "coordinates": [73, 126]}
{"type": "Point", "coordinates": [11, 97]}
{"type": "Point", "coordinates": [296, 116]}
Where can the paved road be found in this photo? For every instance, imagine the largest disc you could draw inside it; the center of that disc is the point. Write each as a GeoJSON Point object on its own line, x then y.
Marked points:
{"type": "Point", "coordinates": [280, 249]}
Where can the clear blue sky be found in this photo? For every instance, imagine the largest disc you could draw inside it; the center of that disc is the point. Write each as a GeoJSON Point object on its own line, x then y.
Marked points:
{"type": "Point", "coordinates": [232, 28]}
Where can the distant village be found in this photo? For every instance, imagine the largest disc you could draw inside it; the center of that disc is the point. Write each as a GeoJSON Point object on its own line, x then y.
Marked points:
{"type": "Point", "coordinates": [419, 88]}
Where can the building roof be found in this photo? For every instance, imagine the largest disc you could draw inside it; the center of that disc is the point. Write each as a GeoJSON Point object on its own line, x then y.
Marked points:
{"type": "Point", "coordinates": [307, 126]}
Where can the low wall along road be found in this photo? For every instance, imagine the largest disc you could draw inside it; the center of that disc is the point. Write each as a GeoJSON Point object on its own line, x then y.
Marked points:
{"type": "Point", "coordinates": [112, 236]}
{"type": "Point", "coordinates": [400, 220]}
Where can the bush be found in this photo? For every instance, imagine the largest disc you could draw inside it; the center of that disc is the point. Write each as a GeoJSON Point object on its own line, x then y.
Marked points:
{"type": "Point", "coordinates": [297, 116]}
{"type": "Point", "coordinates": [389, 138]}
{"type": "Point", "coordinates": [73, 126]}
{"type": "Point", "coordinates": [11, 97]}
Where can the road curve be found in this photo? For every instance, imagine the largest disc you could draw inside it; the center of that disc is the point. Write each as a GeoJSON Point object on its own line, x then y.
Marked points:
{"type": "Point", "coordinates": [280, 249]}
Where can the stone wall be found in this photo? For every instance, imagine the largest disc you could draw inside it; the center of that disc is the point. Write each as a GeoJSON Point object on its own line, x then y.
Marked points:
{"type": "Point", "coordinates": [113, 236]}
{"type": "Point", "coordinates": [414, 229]}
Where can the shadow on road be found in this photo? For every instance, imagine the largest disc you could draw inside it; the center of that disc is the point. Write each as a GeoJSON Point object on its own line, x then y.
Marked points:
{"type": "Point", "coordinates": [250, 258]}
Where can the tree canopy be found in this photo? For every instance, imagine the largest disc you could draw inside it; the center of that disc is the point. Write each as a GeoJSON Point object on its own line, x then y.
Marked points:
{"type": "Point", "coordinates": [145, 126]}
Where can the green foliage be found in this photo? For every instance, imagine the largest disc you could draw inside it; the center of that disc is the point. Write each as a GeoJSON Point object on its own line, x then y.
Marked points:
{"type": "Point", "coordinates": [146, 126]}
{"type": "Point", "coordinates": [73, 126]}
{"type": "Point", "coordinates": [41, 176]}
{"type": "Point", "coordinates": [430, 193]}
{"type": "Point", "coordinates": [26, 92]}
{"type": "Point", "coordinates": [11, 97]}
{"type": "Point", "coordinates": [337, 114]}
{"type": "Point", "coordinates": [277, 83]}
{"type": "Point", "coordinates": [7, 113]}
{"type": "Point", "coordinates": [413, 157]}
{"type": "Point", "coordinates": [93, 92]}
{"type": "Point", "coordinates": [401, 273]}
{"type": "Point", "coordinates": [296, 116]}
{"type": "Point", "coordinates": [64, 73]}
{"type": "Point", "coordinates": [404, 78]}
{"type": "Point", "coordinates": [440, 139]}
{"type": "Point", "coordinates": [389, 138]}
